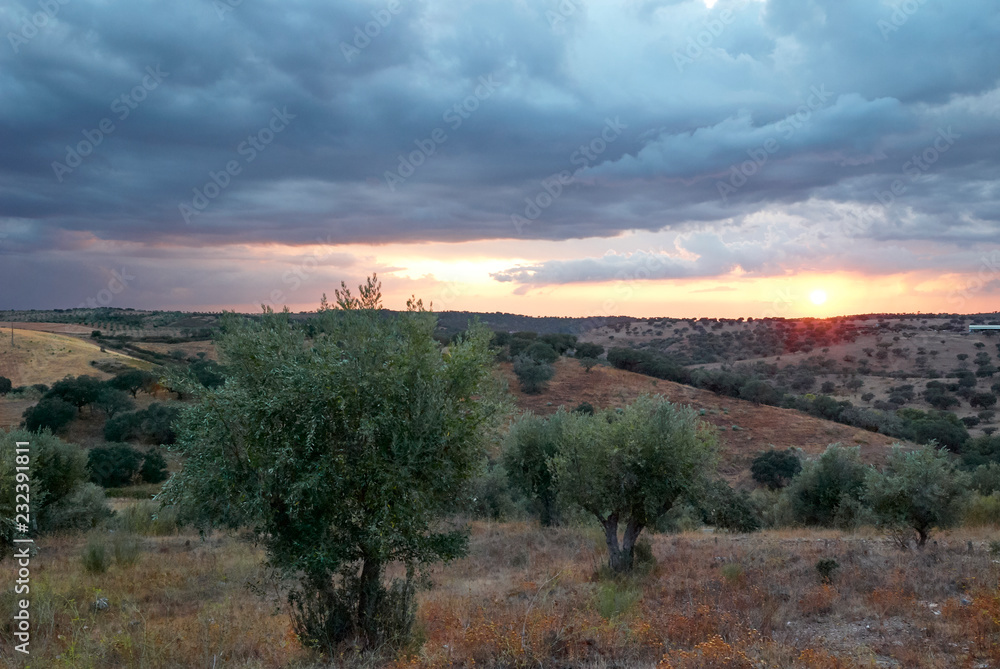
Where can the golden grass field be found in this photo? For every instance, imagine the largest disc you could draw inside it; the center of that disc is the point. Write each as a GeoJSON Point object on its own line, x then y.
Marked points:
{"type": "Point", "coordinates": [45, 357]}
{"type": "Point", "coordinates": [528, 597]}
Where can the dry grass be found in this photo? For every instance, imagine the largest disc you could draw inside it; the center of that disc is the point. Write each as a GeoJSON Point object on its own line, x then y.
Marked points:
{"type": "Point", "coordinates": [44, 357]}
{"type": "Point", "coordinates": [527, 596]}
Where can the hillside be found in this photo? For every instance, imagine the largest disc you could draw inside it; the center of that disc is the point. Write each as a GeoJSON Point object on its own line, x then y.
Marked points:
{"type": "Point", "coordinates": [744, 428]}
{"type": "Point", "coordinates": [45, 357]}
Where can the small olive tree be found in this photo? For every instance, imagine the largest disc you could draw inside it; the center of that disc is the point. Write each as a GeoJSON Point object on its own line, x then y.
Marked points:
{"type": "Point", "coordinates": [918, 490]}
{"type": "Point", "coordinates": [629, 467]}
{"type": "Point", "coordinates": [340, 453]}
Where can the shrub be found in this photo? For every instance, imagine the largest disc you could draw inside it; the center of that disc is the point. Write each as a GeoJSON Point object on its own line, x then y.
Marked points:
{"type": "Point", "coordinates": [529, 447]}
{"type": "Point", "coordinates": [60, 498]}
{"type": "Point", "coordinates": [775, 469]}
{"type": "Point", "coordinates": [588, 350]}
{"type": "Point", "coordinates": [78, 391]}
{"type": "Point", "coordinates": [728, 509]}
{"type": "Point", "coordinates": [84, 508]}
{"type": "Point", "coordinates": [5, 385]}
{"type": "Point", "coordinates": [918, 490]}
{"type": "Point", "coordinates": [95, 555]}
{"type": "Point", "coordinates": [826, 567]}
{"type": "Point", "coordinates": [490, 495]}
{"type": "Point", "coordinates": [51, 413]}
{"type": "Point", "coordinates": [827, 484]}
{"type": "Point", "coordinates": [532, 374]}
{"type": "Point", "coordinates": [114, 465]}
{"type": "Point", "coordinates": [147, 517]}
{"type": "Point", "coordinates": [153, 424]}
{"type": "Point", "coordinates": [154, 467]}
{"type": "Point", "coordinates": [982, 510]}
{"type": "Point", "coordinates": [985, 479]}
{"type": "Point", "coordinates": [125, 549]}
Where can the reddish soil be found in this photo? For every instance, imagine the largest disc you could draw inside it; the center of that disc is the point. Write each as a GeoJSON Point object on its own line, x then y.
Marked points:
{"type": "Point", "coordinates": [744, 428]}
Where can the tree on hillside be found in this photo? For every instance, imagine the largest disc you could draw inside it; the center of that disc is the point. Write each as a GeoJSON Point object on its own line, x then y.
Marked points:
{"type": "Point", "coordinates": [111, 401]}
{"type": "Point", "coordinates": [51, 413]}
{"type": "Point", "coordinates": [532, 374]}
{"type": "Point", "coordinates": [133, 381]}
{"type": "Point", "coordinates": [918, 490]}
{"type": "Point", "coordinates": [5, 385]}
{"type": "Point", "coordinates": [629, 468]}
{"type": "Point", "coordinates": [78, 391]}
{"type": "Point", "coordinates": [588, 350]}
{"type": "Point", "coordinates": [339, 453]}
{"type": "Point", "coordinates": [775, 469]}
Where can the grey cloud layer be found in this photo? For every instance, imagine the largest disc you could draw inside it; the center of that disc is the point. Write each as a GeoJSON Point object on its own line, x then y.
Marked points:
{"type": "Point", "coordinates": [693, 113]}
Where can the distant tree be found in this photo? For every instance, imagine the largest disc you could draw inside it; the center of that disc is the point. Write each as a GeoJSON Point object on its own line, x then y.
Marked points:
{"type": "Point", "coordinates": [631, 467]}
{"type": "Point", "coordinates": [855, 384]}
{"type": "Point", "coordinates": [78, 391]}
{"type": "Point", "coordinates": [775, 469]}
{"type": "Point", "coordinates": [828, 387]}
{"type": "Point", "coordinates": [559, 342]}
{"type": "Point", "coordinates": [113, 465]}
{"type": "Point", "coordinates": [542, 352]}
{"type": "Point", "coordinates": [111, 401]}
{"type": "Point", "coordinates": [984, 400]}
{"type": "Point", "coordinates": [51, 413]}
{"type": "Point", "coordinates": [868, 397]}
{"type": "Point", "coordinates": [589, 350]}
{"type": "Point", "coordinates": [5, 385]}
{"type": "Point", "coordinates": [759, 391]}
{"type": "Point", "coordinates": [588, 364]}
{"type": "Point", "coordinates": [918, 489]}
{"type": "Point", "coordinates": [532, 374]}
{"type": "Point", "coordinates": [133, 381]}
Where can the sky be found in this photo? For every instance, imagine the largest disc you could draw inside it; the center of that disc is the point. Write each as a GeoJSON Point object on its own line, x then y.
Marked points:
{"type": "Point", "coordinates": [561, 157]}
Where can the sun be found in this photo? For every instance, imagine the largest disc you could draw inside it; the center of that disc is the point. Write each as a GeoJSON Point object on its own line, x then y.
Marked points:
{"type": "Point", "coordinates": [817, 296]}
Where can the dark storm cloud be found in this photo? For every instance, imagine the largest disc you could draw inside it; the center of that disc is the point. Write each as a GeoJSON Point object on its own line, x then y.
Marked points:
{"type": "Point", "coordinates": [492, 99]}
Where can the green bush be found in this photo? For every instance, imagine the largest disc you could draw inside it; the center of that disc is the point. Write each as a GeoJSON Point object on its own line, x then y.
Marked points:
{"type": "Point", "coordinates": [51, 413]}
{"type": "Point", "coordinates": [775, 469]}
{"type": "Point", "coordinates": [490, 495]}
{"type": "Point", "coordinates": [728, 509]}
{"type": "Point", "coordinates": [982, 510]}
{"type": "Point", "coordinates": [154, 467]}
{"type": "Point", "coordinates": [616, 598]}
{"type": "Point", "coordinates": [60, 497]}
{"type": "Point", "coordinates": [125, 549]}
{"type": "Point", "coordinates": [835, 480]}
{"type": "Point", "coordinates": [114, 465]}
{"type": "Point", "coordinates": [826, 567]}
{"type": "Point", "coordinates": [152, 425]}
{"type": "Point", "coordinates": [985, 479]}
{"type": "Point", "coordinates": [5, 385]}
{"type": "Point", "coordinates": [532, 374]}
{"type": "Point", "coordinates": [83, 509]}
{"type": "Point", "coordinates": [95, 555]}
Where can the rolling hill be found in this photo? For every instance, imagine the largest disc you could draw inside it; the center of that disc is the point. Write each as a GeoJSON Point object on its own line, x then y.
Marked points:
{"type": "Point", "coordinates": [745, 428]}
{"type": "Point", "coordinates": [45, 357]}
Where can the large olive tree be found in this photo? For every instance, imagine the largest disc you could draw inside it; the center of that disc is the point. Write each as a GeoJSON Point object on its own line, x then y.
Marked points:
{"type": "Point", "coordinates": [629, 467]}
{"type": "Point", "coordinates": [339, 452]}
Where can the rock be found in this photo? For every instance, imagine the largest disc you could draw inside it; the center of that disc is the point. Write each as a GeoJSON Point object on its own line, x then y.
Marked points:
{"type": "Point", "coordinates": [101, 604]}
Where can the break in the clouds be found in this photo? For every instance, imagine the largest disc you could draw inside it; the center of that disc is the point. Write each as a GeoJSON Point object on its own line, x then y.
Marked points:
{"type": "Point", "coordinates": [762, 138]}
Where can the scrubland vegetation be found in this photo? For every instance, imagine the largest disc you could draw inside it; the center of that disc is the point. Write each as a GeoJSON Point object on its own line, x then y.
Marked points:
{"type": "Point", "coordinates": [360, 490]}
